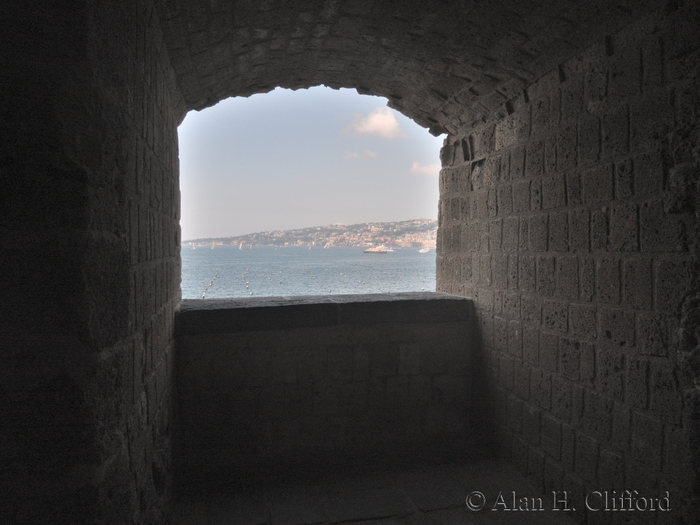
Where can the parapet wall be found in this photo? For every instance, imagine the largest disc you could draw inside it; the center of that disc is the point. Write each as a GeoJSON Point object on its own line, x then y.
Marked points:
{"type": "Point", "coordinates": [562, 221]}
{"type": "Point", "coordinates": [269, 382]}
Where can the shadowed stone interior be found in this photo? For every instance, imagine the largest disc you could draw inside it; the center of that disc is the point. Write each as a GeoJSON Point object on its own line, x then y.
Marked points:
{"type": "Point", "coordinates": [267, 385]}
{"type": "Point", "coordinates": [568, 214]}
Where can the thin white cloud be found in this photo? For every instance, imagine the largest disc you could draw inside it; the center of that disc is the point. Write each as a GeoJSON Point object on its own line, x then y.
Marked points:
{"type": "Point", "coordinates": [380, 121]}
{"type": "Point", "coordinates": [425, 169]}
{"type": "Point", "coordinates": [367, 154]}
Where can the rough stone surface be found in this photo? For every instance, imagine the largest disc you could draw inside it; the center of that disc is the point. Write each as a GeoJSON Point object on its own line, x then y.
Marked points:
{"type": "Point", "coordinates": [263, 383]}
{"type": "Point", "coordinates": [609, 223]}
{"type": "Point", "coordinates": [568, 213]}
{"type": "Point", "coordinates": [445, 65]}
{"type": "Point", "coordinates": [89, 222]}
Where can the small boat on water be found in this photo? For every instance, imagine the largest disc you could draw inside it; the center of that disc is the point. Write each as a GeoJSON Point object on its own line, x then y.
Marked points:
{"type": "Point", "coordinates": [326, 246]}
{"type": "Point", "coordinates": [240, 246]}
{"type": "Point", "coordinates": [424, 249]}
{"type": "Point", "coordinates": [377, 249]}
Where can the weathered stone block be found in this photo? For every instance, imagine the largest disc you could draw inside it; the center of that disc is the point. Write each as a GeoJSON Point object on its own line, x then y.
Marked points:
{"type": "Point", "coordinates": [550, 155]}
{"type": "Point", "coordinates": [647, 441]}
{"type": "Point", "coordinates": [567, 278]}
{"type": "Point", "coordinates": [492, 170]}
{"type": "Point", "coordinates": [608, 280]}
{"type": "Point", "coordinates": [505, 134]}
{"type": "Point", "coordinates": [610, 372]}
{"type": "Point", "coordinates": [549, 351]}
{"type": "Point", "coordinates": [599, 230]}
{"type": "Point", "coordinates": [553, 192]}
{"type": "Point", "coordinates": [677, 457]}
{"type": "Point", "coordinates": [558, 231]}
{"type": "Point", "coordinates": [521, 196]}
{"type": "Point", "coordinates": [546, 275]}
{"type": "Point", "coordinates": [652, 335]}
{"type": "Point", "coordinates": [540, 388]}
{"type": "Point", "coordinates": [648, 174]}
{"type": "Point", "coordinates": [553, 476]}
{"type": "Point", "coordinates": [531, 344]}
{"type": "Point", "coordinates": [673, 278]}
{"type": "Point", "coordinates": [360, 371]}
{"type": "Point", "coordinates": [636, 283]}
{"type": "Point", "coordinates": [505, 199]}
{"type": "Point", "coordinates": [545, 113]}
{"type": "Point", "coordinates": [586, 462]}
{"type": "Point", "coordinates": [598, 185]}
{"type": "Point", "coordinates": [538, 232]}
{"type": "Point", "coordinates": [491, 203]}
{"type": "Point", "coordinates": [517, 162]}
{"type": "Point", "coordinates": [570, 358]}
{"type": "Point", "coordinates": [524, 235]}
{"type": "Point", "coordinates": [650, 119]}
{"type": "Point", "coordinates": [495, 234]}
{"type": "Point", "coordinates": [579, 227]}
{"type": "Point", "coordinates": [531, 424]}
{"type": "Point", "coordinates": [624, 177]}
{"type": "Point", "coordinates": [514, 411]}
{"type": "Point", "coordinates": [621, 432]}
{"type": "Point", "coordinates": [660, 232]}
{"type": "Point", "coordinates": [597, 415]}
{"type": "Point", "coordinates": [566, 147]}
{"type": "Point", "coordinates": [530, 309]}
{"type": "Point", "coordinates": [485, 270]}
{"type": "Point", "coordinates": [519, 455]}
{"type": "Point", "coordinates": [615, 132]}
{"type": "Point", "coordinates": [638, 383]}
{"type": "Point", "coordinates": [500, 337]}
{"type": "Point", "coordinates": [568, 447]}
{"type": "Point", "coordinates": [511, 305]}
{"type": "Point", "coordinates": [513, 269]}
{"type": "Point", "coordinates": [574, 196]}
{"type": "Point", "coordinates": [536, 195]}
{"type": "Point", "coordinates": [588, 364]}
{"type": "Point", "coordinates": [582, 319]}
{"type": "Point", "coordinates": [588, 140]}
{"type": "Point", "coordinates": [561, 399]}
{"type": "Point", "coordinates": [534, 159]}
{"type": "Point", "coordinates": [611, 472]}
{"type": "Point", "coordinates": [409, 359]}
{"type": "Point", "coordinates": [587, 278]}
{"type": "Point", "coordinates": [665, 399]}
{"type": "Point", "coordinates": [555, 316]}
{"type": "Point", "coordinates": [623, 228]}
{"type": "Point", "coordinates": [616, 327]}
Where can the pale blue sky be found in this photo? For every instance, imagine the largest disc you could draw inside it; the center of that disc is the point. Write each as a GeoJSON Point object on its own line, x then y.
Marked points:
{"type": "Point", "coordinates": [292, 159]}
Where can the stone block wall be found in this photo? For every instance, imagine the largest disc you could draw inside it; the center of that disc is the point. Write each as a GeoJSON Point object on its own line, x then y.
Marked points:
{"type": "Point", "coordinates": [89, 222]}
{"type": "Point", "coordinates": [558, 219]}
{"type": "Point", "coordinates": [267, 383]}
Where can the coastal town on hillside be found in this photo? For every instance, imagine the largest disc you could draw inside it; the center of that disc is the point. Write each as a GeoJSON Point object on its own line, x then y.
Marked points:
{"type": "Point", "coordinates": [400, 234]}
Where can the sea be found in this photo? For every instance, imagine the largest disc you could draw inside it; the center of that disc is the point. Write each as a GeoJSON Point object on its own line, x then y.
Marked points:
{"type": "Point", "coordinates": [269, 271]}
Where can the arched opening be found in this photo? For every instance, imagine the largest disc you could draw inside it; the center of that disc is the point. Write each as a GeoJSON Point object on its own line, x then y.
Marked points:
{"type": "Point", "coordinates": [290, 173]}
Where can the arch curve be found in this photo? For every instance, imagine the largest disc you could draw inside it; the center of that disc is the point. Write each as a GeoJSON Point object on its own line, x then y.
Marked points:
{"type": "Point", "coordinates": [446, 65]}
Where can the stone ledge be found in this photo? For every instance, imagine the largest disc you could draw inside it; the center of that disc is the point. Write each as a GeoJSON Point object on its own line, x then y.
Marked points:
{"type": "Point", "coordinates": [210, 316]}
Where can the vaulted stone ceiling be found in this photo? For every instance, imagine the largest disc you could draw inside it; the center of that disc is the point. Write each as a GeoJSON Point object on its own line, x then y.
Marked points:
{"type": "Point", "coordinates": [445, 64]}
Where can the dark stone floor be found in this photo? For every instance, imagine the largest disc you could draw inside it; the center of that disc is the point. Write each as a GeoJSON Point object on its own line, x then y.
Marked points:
{"type": "Point", "coordinates": [433, 494]}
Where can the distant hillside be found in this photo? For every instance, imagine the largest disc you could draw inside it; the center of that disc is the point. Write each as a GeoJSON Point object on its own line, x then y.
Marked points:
{"type": "Point", "coordinates": [417, 232]}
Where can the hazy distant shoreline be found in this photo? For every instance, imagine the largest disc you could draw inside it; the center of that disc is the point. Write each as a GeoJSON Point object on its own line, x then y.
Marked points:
{"type": "Point", "coordinates": [416, 232]}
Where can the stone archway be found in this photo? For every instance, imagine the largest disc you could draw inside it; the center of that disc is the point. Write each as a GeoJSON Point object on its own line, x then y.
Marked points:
{"type": "Point", "coordinates": [444, 65]}
{"type": "Point", "coordinates": [95, 91]}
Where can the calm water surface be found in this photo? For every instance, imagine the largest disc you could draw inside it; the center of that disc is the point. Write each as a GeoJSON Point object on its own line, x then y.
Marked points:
{"type": "Point", "coordinates": [263, 271]}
